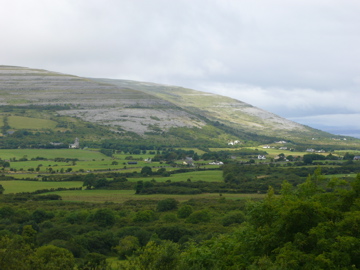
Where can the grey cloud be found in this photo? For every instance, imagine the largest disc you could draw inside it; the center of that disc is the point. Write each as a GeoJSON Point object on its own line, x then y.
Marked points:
{"type": "Point", "coordinates": [298, 58]}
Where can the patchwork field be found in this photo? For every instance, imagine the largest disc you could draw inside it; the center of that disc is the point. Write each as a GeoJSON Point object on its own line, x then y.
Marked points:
{"type": "Point", "coordinates": [30, 186]}
{"type": "Point", "coordinates": [120, 196]}
{"type": "Point", "coordinates": [208, 176]}
{"type": "Point", "coordinates": [52, 153]}
{"type": "Point", "coordinates": [20, 122]}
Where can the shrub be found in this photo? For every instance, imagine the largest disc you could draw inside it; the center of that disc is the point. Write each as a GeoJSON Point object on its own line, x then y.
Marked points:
{"type": "Point", "coordinates": [233, 218]}
{"type": "Point", "coordinates": [184, 211]}
{"type": "Point", "coordinates": [144, 216]}
{"type": "Point", "coordinates": [167, 205]}
{"type": "Point", "coordinates": [199, 216]}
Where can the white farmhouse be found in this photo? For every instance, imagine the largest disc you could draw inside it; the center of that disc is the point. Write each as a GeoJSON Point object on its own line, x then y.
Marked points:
{"type": "Point", "coordinates": [75, 145]}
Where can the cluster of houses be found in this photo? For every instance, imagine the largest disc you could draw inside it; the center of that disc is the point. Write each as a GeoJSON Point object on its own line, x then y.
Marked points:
{"type": "Point", "coordinates": [314, 151]}
{"type": "Point", "coordinates": [216, 163]}
{"type": "Point", "coordinates": [75, 145]}
{"type": "Point", "coordinates": [233, 142]}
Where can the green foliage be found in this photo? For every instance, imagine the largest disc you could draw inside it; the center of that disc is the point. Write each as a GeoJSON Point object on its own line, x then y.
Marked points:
{"type": "Point", "coordinates": [146, 171]}
{"type": "Point", "coordinates": [144, 216]}
{"type": "Point", "coordinates": [185, 211]}
{"type": "Point", "coordinates": [51, 257]}
{"type": "Point", "coordinates": [40, 215]}
{"type": "Point", "coordinates": [127, 246]}
{"type": "Point", "coordinates": [107, 152]}
{"type": "Point", "coordinates": [167, 205]}
{"type": "Point", "coordinates": [94, 261]}
{"type": "Point", "coordinates": [309, 158]}
{"type": "Point", "coordinates": [15, 254]}
{"type": "Point", "coordinates": [163, 256]}
{"type": "Point", "coordinates": [199, 217]}
{"type": "Point", "coordinates": [103, 217]}
{"type": "Point", "coordinates": [89, 180]}
{"type": "Point", "coordinates": [237, 217]}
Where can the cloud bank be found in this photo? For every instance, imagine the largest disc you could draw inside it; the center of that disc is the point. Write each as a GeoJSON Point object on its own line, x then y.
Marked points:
{"type": "Point", "coordinates": [299, 59]}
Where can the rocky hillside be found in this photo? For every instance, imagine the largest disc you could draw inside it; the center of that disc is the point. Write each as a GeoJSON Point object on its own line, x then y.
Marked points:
{"type": "Point", "coordinates": [231, 112]}
{"type": "Point", "coordinates": [96, 102]}
{"type": "Point", "coordinates": [146, 109]}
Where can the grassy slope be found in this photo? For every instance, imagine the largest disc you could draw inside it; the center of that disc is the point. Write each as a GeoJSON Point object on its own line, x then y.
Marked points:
{"type": "Point", "coordinates": [121, 196]}
{"type": "Point", "coordinates": [51, 153]}
{"type": "Point", "coordinates": [226, 110]}
{"type": "Point", "coordinates": [140, 107]}
{"type": "Point", "coordinates": [30, 186]}
{"type": "Point", "coordinates": [21, 122]}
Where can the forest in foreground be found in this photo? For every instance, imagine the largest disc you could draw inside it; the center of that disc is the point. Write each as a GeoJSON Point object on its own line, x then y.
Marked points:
{"type": "Point", "coordinates": [311, 226]}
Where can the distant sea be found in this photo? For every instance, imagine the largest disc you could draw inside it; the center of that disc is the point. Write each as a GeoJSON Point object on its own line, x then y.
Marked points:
{"type": "Point", "coordinates": [356, 135]}
{"type": "Point", "coordinates": [351, 133]}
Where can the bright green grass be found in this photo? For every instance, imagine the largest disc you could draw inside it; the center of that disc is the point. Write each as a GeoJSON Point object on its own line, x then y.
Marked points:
{"type": "Point", "coordinates": [135, 157]}
{"type": "Point", "coordinates": [274, 152]}
{"type": "Point", "coordinates": [224, 149]}
{"type": "Point", "coordinates": [21, 122]}
{"type": "Point", "coordinates": [341, 175]}
{"type": "Point", "coordinates": [208, 176]}
{"type": "Point", "coordinates": [52, 153]}
{"type": "Point", "coordinates": [120, 196]}
{"type": "Point", "coordinates": [342, 152]}
{"type": "Point", "coordinates": [196, 150]}
{"type": "Point", "coordinates": [30, 186]}
{"type": "Point", "coordinates": [17, 101]}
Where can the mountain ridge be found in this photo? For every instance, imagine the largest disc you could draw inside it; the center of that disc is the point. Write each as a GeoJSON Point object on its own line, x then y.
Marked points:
{"type": "Point", "coordinates": [155, 111]}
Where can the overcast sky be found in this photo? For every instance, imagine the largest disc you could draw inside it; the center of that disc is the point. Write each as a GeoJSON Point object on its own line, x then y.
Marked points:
{"type": "Point", "coordinates": [299, 59]}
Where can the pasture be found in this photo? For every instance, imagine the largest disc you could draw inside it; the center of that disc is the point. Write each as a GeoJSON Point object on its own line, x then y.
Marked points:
{"type": "Point", "coordinates": [81, 154]}
{"type": "Point", "coordinates": [208, 176]}
{"type": "Point", "coordinates": [31, 186]}
{"type": "Point", "coordinates": [21, 122]}
{"type": "Point", "coordinates": [196, 150]}
{"type": "Point", "coordinates": [121, 196]}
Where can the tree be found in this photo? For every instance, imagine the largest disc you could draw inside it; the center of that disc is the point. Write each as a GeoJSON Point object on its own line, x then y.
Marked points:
{"type": "Point", "coordinates": [2, 189]}
{"type": "Point", "coordinates": [233, 218]}
{"type": "Point", "coordinates": [89, 180]}
{"type": "Point", "coordinates": [103, 217]}
{"type": "Point", "coordinates": [199, 217]}
{"type": "Point", "coordinates": [127, 246]}
{"type": "Point", "coordinates": [94, 261]}
{"type": "Point", "coordinates": [144, 216]}
{"type": "Point", "coordinates": [40, 215]}
{"type": "Point", "coordinates": [167, 205]}
{"type": "Point", "coordinates": [101, 183]}
{"type": "Point", "coordinates": [139, 187]}
{"type": "Point", "coordinates": [184, 211]}
{"type": "Point", "coordinates": [55, 258]}
{"type": "Point", "coordinates": [146, 171]}
{"type": "Point", "coordinates": [163, 256]}
{"type": "Point", "coordinates": [14, 253]}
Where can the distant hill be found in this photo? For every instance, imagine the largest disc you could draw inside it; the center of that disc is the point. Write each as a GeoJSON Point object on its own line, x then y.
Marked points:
{"type": "Point", "coordinates": [105, 109]}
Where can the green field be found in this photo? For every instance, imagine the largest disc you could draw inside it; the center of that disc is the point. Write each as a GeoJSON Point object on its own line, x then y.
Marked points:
{"type": "Point", "coordinates": [196, 150]}
{"type": "Point", "coordinates": [52, 153]}
{"type": "Point", "coordinates": [21, 122]}
{"type": "Point", "coordinates": [208, 176]}
{"type": "Point", "coordinates": [30, 186]}
{"type": "Point", "coordinates": [88, 160]}
{"type": "Point", "coordinates": [120, 196]}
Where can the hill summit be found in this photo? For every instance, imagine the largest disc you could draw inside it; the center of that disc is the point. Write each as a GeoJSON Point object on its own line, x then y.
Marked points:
{"type": "Point", "coordinates": [131, 110]}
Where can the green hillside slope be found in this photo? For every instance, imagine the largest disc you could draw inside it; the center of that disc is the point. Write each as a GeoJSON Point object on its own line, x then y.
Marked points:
{"type": "Point", "coordinates": [59, 107]}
